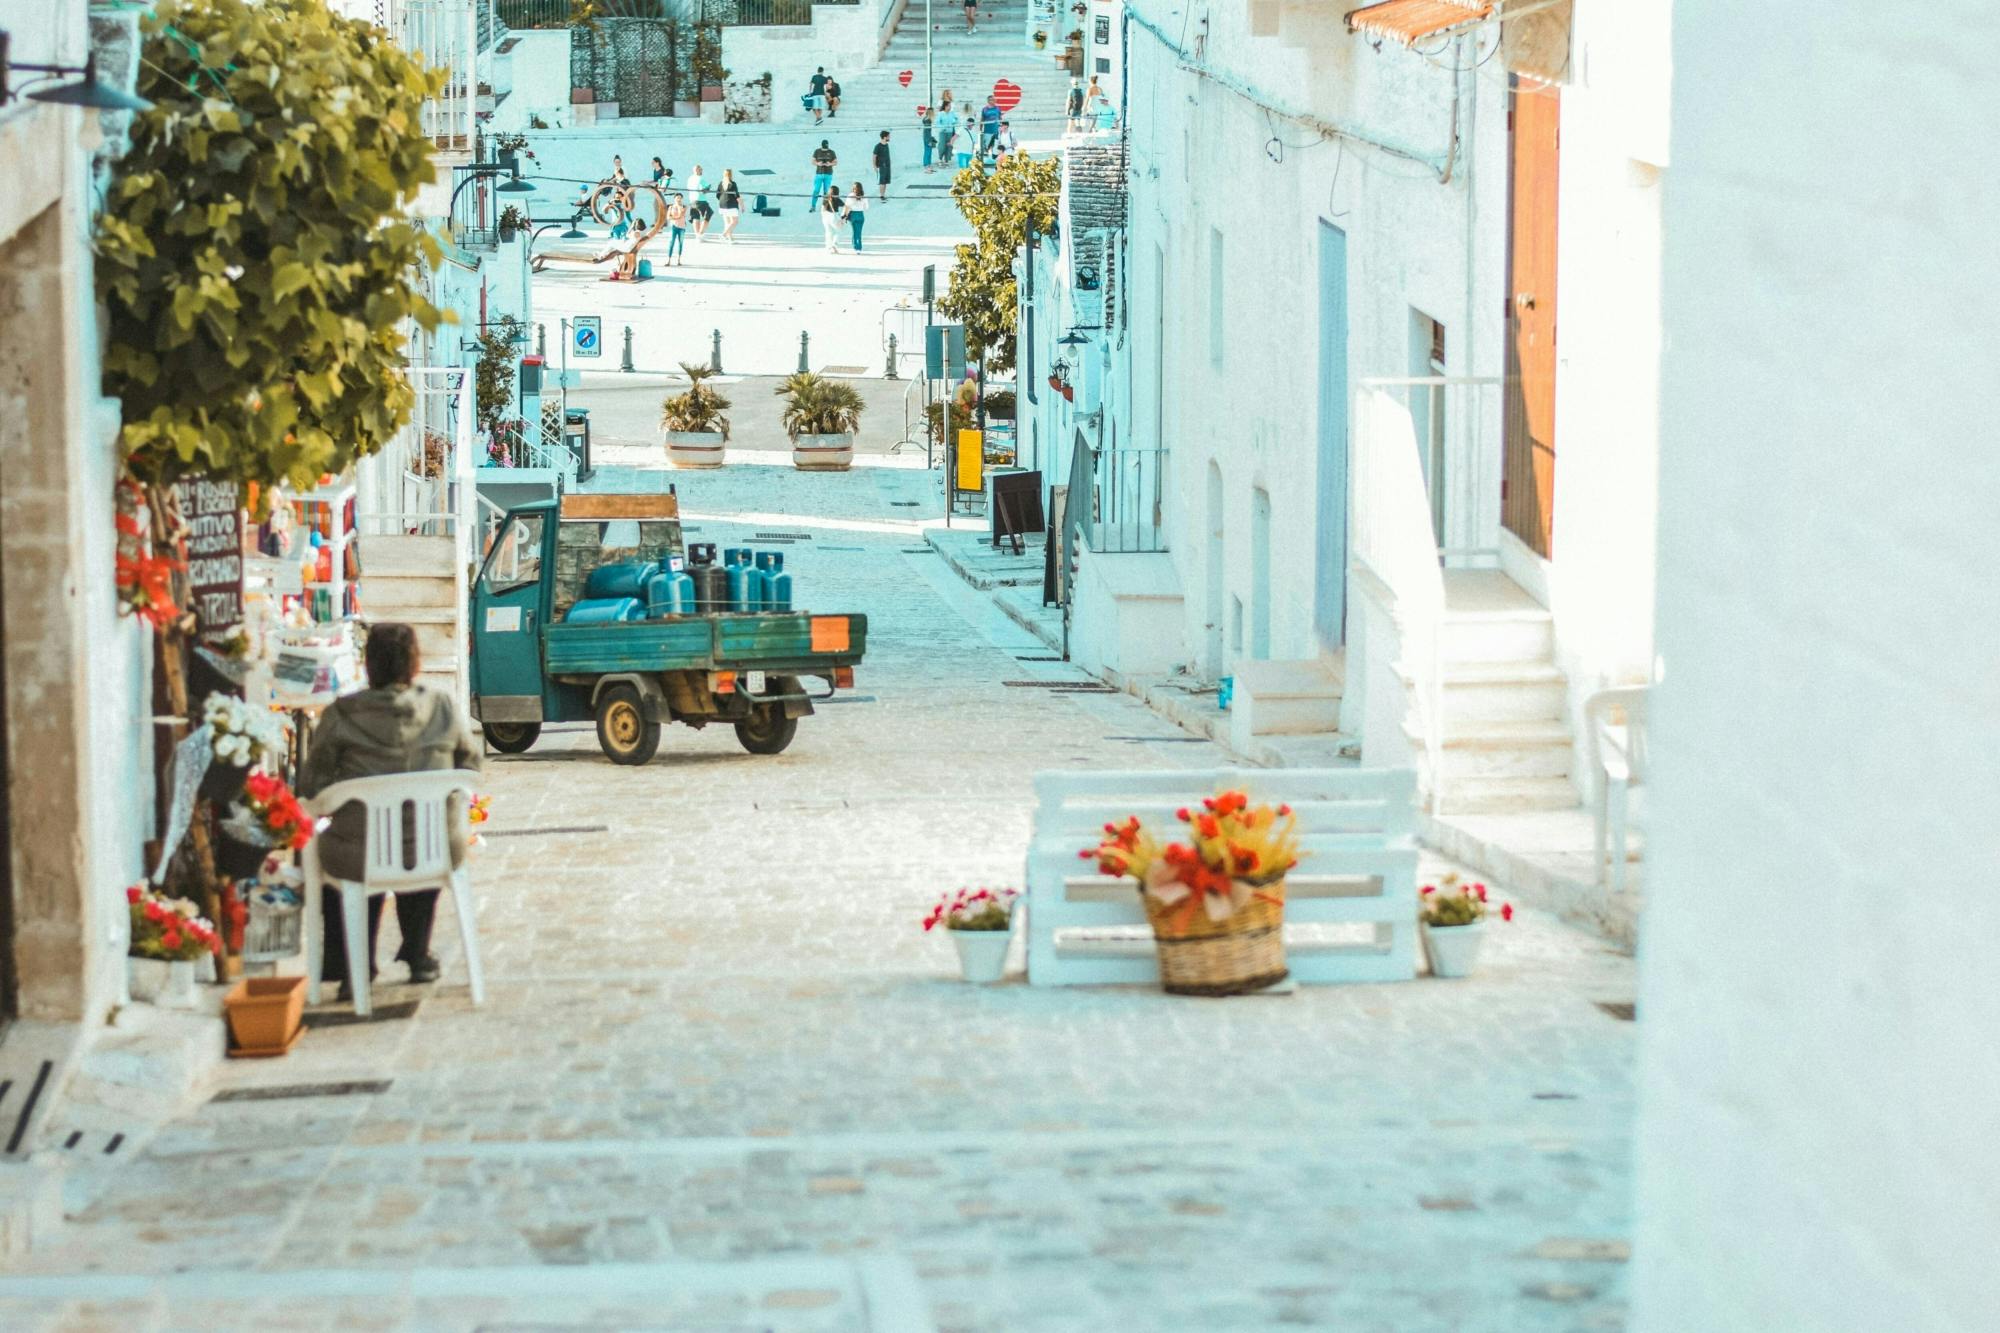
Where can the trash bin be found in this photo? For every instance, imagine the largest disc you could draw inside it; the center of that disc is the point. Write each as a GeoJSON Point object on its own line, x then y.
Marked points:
{"type": "Point", "coordinates": [576, 439]}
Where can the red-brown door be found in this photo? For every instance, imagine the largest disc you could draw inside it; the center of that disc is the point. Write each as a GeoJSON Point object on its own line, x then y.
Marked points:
{"type": "Point", "coordinates": [1528, 484]}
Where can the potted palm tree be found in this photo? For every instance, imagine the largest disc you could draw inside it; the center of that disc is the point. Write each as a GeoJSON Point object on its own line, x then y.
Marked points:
{"type": "Point", "coordinates": [692, 423]}
{"type": "Point", "coordinates": [821, 416]}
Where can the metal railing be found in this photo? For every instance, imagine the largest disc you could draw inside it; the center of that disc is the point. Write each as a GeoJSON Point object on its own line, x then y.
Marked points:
{"type": "Point", "coordinates": [1402, 432]}
{"type": "Point", "coordinates": [534, 13]}
{"type": "Point", "coordinates": [1128, 501]}
{"type": "Point", "coordinates": [760, 13]}
{"type": "Point", "coordinates": [444, 36]}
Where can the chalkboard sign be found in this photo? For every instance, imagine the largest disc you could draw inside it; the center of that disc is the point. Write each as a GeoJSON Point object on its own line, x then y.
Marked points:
{"type": "Point", "coordinates": [214, 555]}
{"type": "Point", "coordinates": [1017, 505]}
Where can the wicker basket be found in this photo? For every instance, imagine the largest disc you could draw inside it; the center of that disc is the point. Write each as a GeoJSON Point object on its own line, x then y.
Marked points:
{"type": "Point", "coordinates": [1242, 953]}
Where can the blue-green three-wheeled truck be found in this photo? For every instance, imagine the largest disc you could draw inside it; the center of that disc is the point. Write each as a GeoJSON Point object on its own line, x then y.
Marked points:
{"type": "Point", "coordinates": [697, 664]}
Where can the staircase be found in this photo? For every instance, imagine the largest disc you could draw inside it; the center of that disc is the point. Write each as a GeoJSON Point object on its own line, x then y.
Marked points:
{"type": "Point", "coordinates": [414, 579]}
{"type": "Point", "coordinates": [968, 65]}
{"type": "Point", "coordinates": [1505, 743]}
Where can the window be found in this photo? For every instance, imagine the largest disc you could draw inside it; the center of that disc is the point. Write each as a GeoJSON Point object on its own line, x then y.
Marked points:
{"type": "Point", "coordinates": [516, 557]}
{"type": "Point", "coordinates": [1215, 302]}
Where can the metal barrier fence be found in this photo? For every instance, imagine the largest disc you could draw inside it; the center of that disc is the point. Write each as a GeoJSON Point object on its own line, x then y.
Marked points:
{"type": "Point", "coordinates": [534, 13]}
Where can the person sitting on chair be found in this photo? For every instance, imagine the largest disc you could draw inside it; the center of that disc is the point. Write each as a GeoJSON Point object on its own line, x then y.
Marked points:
{"type": "Point", "coordinates": [393, 726]}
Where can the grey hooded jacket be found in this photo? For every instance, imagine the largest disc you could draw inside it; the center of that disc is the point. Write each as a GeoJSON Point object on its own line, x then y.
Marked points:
{"type": "Point", "coordinates": [403, 729]}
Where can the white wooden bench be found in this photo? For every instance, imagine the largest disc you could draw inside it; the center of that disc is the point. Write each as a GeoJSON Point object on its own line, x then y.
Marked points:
{"type": "Point", "coordinates": [1350, 907]}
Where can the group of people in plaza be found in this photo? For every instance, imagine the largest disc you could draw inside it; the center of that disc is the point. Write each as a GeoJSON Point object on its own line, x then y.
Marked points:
{"type": "Point", "coordinates": [682, 218]}
{"type": "Point", "coordinates": [952, 140]}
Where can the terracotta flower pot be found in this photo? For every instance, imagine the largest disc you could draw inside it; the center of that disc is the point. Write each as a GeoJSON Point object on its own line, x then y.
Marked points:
{"type": "Point", "coordinates": [265, 1014]}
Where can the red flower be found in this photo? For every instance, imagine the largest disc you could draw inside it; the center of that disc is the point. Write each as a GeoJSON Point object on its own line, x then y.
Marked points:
{"type": "Point", "coordinates": [171, 939]}
{"type": "Point", "coordinates": [1506, 911]}
{"type": "Point", "coordinates": [155, 912]}
{"type": "Point", "coordinates": [1479, 892]}
{"type": "Point", "coordinates": [1208, 826]}
{"type": "Point", "coordinates": [1430, 888]}
{"type": "Point", "coordinates": [1284, 810]}
{"type": "Point", "coordinates": [133, 894]}
{"type": "Point", "coordinates": [1183, 815]}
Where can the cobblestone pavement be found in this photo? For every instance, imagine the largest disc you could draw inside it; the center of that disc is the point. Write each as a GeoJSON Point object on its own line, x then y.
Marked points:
{"type": "Point", "coordinates": [722, 1081]}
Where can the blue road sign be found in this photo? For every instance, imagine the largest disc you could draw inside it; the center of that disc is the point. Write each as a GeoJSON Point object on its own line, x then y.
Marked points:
{"type": "Point", "coordinates": [587, 335]}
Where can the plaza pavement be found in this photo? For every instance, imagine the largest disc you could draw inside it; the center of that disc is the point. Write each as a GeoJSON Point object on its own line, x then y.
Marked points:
{"type": "Point", "coordinates": [723, 1081]}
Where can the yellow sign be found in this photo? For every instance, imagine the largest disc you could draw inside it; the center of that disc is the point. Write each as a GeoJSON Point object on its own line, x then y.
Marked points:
{"type": "Point", "coordinates": [971, 460]}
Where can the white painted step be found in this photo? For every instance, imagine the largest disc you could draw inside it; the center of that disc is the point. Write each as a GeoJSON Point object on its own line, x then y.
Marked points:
{"type": "Point", "coordinates": [1284, 698]}
{"type": "Point", "coordinates": [1518, 636]}
{"type": "Point", "coordinates": [1503, 691]}
{"type": "Point", "coordinates": [1480, 749]}
{"type": "Point", "coordinates": [406, 596]}
{"type": "Point", "coordinates": [1508, 795]}
{"type": "Point", "coordinates": [383, 553]}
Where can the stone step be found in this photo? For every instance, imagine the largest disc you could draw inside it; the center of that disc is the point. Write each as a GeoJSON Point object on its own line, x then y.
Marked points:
{"type": "Point", "coordinates": [1500, 749]}
{"type": "Point", "coordinates": [392, 553]}
{"type": "Point", "coordinates": [1517, 636]}
{"type": "Point", "coordinates": [1503, 691]}
{"type": "Point", "coordinates": [1507, 795]}
{"type": "Point", "coordinates": [401, 596]}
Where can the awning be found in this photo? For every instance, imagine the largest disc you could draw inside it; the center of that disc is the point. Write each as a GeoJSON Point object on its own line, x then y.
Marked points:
{"type": "Point", "coordinates": [1406, 21]}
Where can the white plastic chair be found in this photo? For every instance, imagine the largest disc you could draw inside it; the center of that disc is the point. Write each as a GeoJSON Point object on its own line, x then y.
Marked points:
{"type": "Point", "coordinates": [1615, 725]}
{"type": "Point", "coordinates": [385, 798]}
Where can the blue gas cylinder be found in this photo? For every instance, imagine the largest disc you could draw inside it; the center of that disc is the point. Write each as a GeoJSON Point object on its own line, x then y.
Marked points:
{"type": "Point", "coordinates": [779, 596]}
{"type": "Point", "coordinates": [739, 586]}
{"type": "Point", "coordinates": [760, 589]}
{"type": "Point", "coordinates": [683, 594]}
{"type": "Point", "coordinates": [605, 611]}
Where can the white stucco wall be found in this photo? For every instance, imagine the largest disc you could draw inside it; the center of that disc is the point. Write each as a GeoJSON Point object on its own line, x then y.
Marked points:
{"type": "Point", "coordinates": [1207, 159]}
{"type": "Point", "coordinates": [845, 39]}
{"type": "Point", "coordinates": [1820, 1085]}
{"type": "Point", "coordinates": [1599, 583]}
{"type": "Point", "coordinates": [535, 75]}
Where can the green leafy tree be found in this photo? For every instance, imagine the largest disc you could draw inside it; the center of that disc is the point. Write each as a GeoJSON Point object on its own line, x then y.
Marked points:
{"type": "Point", "coordinates": [1003, 205]}
{"type": "Point", "coordinates": [497, 370]}
{"type": "Point", "coordinates": [256, 253]}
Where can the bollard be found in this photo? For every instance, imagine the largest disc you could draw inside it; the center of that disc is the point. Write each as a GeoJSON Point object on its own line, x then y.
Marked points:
{"type": "Point", "coordinates": [626, 365]}
{"type": "Point", "coordinates": [715, 353]}
{"type": "Point", "coordinates": [890, 373]}
{"type": "Point", "coordinates": [542, 341]}
{"type": "Point", "coordinates": [804, 339]}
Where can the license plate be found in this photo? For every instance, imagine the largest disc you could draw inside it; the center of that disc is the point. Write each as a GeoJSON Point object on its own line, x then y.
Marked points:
{"type": "Point", "coordinates": [753, 681]}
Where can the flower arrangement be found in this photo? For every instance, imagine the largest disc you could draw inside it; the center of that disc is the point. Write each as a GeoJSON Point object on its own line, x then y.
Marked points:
{"type": "Point", "coordinates": [145, 580]}
{"type": "Point", "coordinates": [171, 929]}
{"type": "Point", "coordinates": [245, 737]}
{"type": "Point", "coordinates": [1234, 853]}
{"type": "Point", "coordinates": [477, 812]}
{"type": "Point", "coordinates": [1458, 904]}
{"type": "Point", "coordinates": [274, 811]}
{"type": "Point", "coordinates": [973, 909]}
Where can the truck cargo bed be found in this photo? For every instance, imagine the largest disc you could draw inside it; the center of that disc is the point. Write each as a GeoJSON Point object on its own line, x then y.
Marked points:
{"type": "Point", "coordinates": [794, 641]}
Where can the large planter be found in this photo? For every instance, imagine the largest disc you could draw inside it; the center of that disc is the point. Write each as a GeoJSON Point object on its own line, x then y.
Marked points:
{"type": "Point", "coordinates": [265, 1015]}
{"type": "Point", "coordinates": [222, 783]}
{"type": "Point", "coordinates": [694, 448]}
{"type": "Point", "coordinates": [982, 954]}
{"type": "Point", "coordinates": [1453, 950]}
{"type": "Point", "coordinates": [168, 983]}
{"type": "Point", "coordinates": [1243, 952]}
{"type": "Point", "coordinates": [823, 453]}
{"type": "Point", "coordinates": [243, 848]}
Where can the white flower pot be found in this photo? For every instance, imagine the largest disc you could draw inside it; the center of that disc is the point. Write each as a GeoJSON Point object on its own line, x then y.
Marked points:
{"type": "Point", "coordinates": [168, 983]}
{"type": "Point", "coordinates": [982, 954]}
{"type": "Point", "coordinates": [1453, 950]}
{"type": "Point", "coordinates": [694, 448]}
{"type": "Point", "coordinates": [823, 453]}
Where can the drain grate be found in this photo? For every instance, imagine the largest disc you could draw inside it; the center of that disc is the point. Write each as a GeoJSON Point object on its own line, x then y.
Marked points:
{"type": "Point", "coordinates": [913, 187]}
{"type": "Point", "coordinates": [27, 1107]}
{"type": "Point", "coordinates": [549, 831]}
{"type": "Point", "coordinates": [905, 504]}
{"type": "Point", "coordinates": [850, 699]}
{"type": "Point", "coordinates": [1064, 686]}
{"type": "Point", "coordinates": [920, 550]}
{"type": "Point", "coordinates": [1555, 1096]}
{"type": "Point", "coordinates": [1161, 740]}
{"type": "Point", "coordinates": [1019, 658]}
{"type": "Point", "coordinates": [1625, 1011]}
{"type": "Point", "coordinates": [384, 1013]}
{"type": "Point", "coordinates": [286, 1091]}
{"type": "Point", "coordinates": [840, 548]}
{"type": "Point", "coordinates": [757, 171]}
{"type": "Point", "coordinates": [783, 537]}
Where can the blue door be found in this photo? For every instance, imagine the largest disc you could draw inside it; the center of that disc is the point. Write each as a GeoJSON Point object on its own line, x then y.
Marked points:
{"type": "Point", "coordinates": [1330, 600]}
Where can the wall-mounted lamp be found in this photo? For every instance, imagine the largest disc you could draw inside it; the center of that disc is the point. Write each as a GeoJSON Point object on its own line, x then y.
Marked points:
{"type": "Point", "coordinates": [86, 92]}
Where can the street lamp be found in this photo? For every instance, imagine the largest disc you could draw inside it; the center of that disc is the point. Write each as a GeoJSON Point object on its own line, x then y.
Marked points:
{"type": "Point", "coordinates": [482, 170]}
{"type": "Point", "coordinates": [87, 93]}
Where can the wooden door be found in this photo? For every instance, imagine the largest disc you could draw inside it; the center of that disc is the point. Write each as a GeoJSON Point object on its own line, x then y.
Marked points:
{"type": "Point", "coordinates": [1528, 479]}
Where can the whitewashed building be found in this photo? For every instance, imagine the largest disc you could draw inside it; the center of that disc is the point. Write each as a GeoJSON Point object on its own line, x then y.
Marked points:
{"type": "Point", "coordinates": [1324, 209]}
{"type": "Point", "coordinates": [1820, 1088]}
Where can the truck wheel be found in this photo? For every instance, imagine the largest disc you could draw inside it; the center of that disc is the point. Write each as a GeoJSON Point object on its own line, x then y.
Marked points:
{"type": "Point", "coordinates": [767, 730]}
{"type": "Point", "coordinates": [622, 729]}
{"type": "Point", "coordinates": [512, 737]}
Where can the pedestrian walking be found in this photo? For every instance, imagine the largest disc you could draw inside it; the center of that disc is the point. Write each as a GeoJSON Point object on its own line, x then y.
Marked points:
{"type": "Point", "coordinates": [730, 199]}
{"type": "Point", "coordinates": [989, 125]}
{"type": "Point", "coordinates": [928, 120]}
{"type": "Point", "coordinates": [832, 97]}
{"type": "Point", "coordinates": [677, 223]}
{"type": "Point", "coordinates": [857, 213]}
{"type": "Point", "coordinates": [1073, 107]}
{"type": "Point", "coordinates": [972, 15]}
{"type": "Point", "coordinates": [699, 212]}
{"type": "Point", "coordinates": [816, 99]}
{"type": "Point", "coordinates": [829, 219]}
{"type": "Point", "coordinates": [1006, 142]}
{"type": "Point", "coordinates": [660, 172]}
{"type": "Point", "coordinates": [393, 726]}
{"type": "Point", "coordinates": [824, 161]}
{"type": "Point", "coordinates": [882, 164]}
